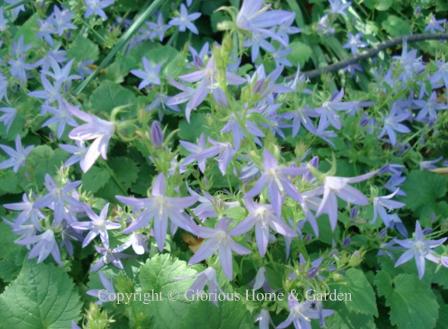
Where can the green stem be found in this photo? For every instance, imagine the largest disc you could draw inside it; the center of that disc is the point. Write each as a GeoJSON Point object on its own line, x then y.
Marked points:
{"type": "Point", "coordinates": [125, 37]}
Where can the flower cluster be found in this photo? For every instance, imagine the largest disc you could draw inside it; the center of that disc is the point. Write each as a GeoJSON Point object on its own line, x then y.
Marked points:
{"type": "Point", "coordinates": [222, 154]}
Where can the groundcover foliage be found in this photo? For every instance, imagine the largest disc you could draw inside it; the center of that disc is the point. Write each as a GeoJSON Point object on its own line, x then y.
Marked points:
{"type": "Point", "coordinates": [199, 164]}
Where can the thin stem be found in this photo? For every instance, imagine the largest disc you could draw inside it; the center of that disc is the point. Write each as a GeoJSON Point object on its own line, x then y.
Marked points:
{"type": "Point", "coordinates": [125, 37]}
{"type": "Point", "coordinates": [373, 52]}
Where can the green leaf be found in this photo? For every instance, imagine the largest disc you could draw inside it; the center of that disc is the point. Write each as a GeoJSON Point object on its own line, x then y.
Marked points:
{"type": "Point", "coordinates": [126, 5]}
{"type": "Point", "coordinates": [125, 170]}
{"type": "Point", "coordinates": [380, 5]}
{"type": "Point", "coordinates": [362, 293]}
{"type": "Point", "coordinates": [171, 60]}
{"type": "Point", "coordinates": [42, 296]}
{"type": "Point", "coordinates": [165, 274]}
{"type": "Point", "coordinates": [41, 161]}
{"type": "Point", "coordinates": [9, 182]}
{"type": "Point", "coordinates": [110, 95]}
{"type": "Point", "coordinates": [443, 317]}
{"type": "Point", "coordinates": [161, 55]}
{"type": "Point", "coordinates": [175, 66]}
{"type": "Point", "coordinates": [29, 30]}
{"type": "Point", "coordinates": [18, 125]}
{"type": "Point", "coordinates": [412, 304]}
{"type": "Point", "coordinates": [11, 256]}
{"type": "Point", "coordinates": [300, 53]}
{"type": "Point", "coordinates": [83, 49]}
{"type": "Point", "coordinates": [144, 180]}
{"type": "Point", "coordinates": [423, 190]}
{"type": "Point", "coordinates": [396, 26]}
{"type": "Point", "coordinates": [191, 131]}
{"type": "Point", "coordinates": [161, 273]}
{"type": "Point", "coordinates": [440, 277]}
{"type": "Point", "coordinates": [95, 179]}
{"type": "Point", "coordinates": [383, 283]}
{"type": "Point", "coordinates": [344, 319]}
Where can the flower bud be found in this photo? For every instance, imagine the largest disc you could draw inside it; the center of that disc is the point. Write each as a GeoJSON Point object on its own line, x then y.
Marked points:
{"type": "Point", "coordinates": [156, 134]}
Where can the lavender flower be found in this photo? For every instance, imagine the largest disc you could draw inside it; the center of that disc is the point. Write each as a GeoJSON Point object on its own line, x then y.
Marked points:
{"type": "Point", "coordinates": [435, 25]}
{"type": "Point", "coordinates": [42, 246]}
{"type": "Point", "coordinates": [260, 278]}
{"type": "Point", "coordinates": [78, 152]}
{"type": "Point", "coordinates": [62, 20]}
{"type": "Point", "coordinates": [420, 249]}
{"type": "Point", "coordinates": [206, 80]}
{"type": "Point", "coordinates": [256, 42]}
{"type": "Point", "coordinates": [17, 64]}
{"type": "Point", "coordinates": [95, 8]}
{"type": "Point", "coordinates": [98, 226]}
{"type": "Point", "coordinates": [393, 124]}
{"type": "Point", "coordinates": [160, 208]}
{"type": "Point", "coordinates": [51, 92]}
{"type": "Point", "coordinates": [99, 130]}
{"type": "Point", "coordinates": [46, 29]}
{"type": "Point", "coordinates": [199, 58]}
{"type": "Point", "coordinates": [324, 26]}
{"type": "Point", "coordinates": [157, 29]}
{"type": "Point", "coordinates": [222, 151]}
{"type": "Point", "coordinates": [156, 134]}
{"type": "Point", "coordinates": [219, 240]}
{"type": "Point", "coordinates": [439, 78]}
{"type": "Point", "coordinates": [409, 63]}
{"type": "Point", "coordinates": [310, 204]}
{"type": "Point", "coordinates": [276, 179]}
{"type": "Point", "coordinates": [280, 57]}
{"type": "Point", "coordinates": [61, 117]}
{"type": "Point", "coordinates": [300, 314]}
{"type": "Point", "coordinates": [3, 87]}
{"type": "Point", "coordinates": [195, 150]}
{"type": "Point", "coordinates": [101, 293]}
{"type": "Point", "coordinates": [327, 111]}
{"type": "Point", "coordinates": [3, 21]}
{"type": "Point", "coordinates": [17, 157]}
{"type": "Point", "coordinates": [149, 75]}
{"type": "Point", "coordinates": [184, 96]}
{"type": "Point", "coordinates": [241, 125]}
{"type": "Point", "coordinates": [339, 6]}
{"type": "Point", "coordinates": [29, 212]}
{"type": "Point", "coordinates": [185, 20]}
{"type": "Point", "coordinates": [340, 187]}
{"type": "Point", "coordinates": [9, 114]}
{"type": "Point", "coordinates": [263, 218]}
{"type": "Point", "coordinates": [62, 198]}
{"type": "Point", "coordinates": [429, 108]}
{"type": "Point", "coordinates": [137, 241]}
{"type": "Point", "coordinates": [210, 206]}
{"type": "Point", "coordinates": [60, 74]}
{"type": "Point", "coordinates": [301, 117]}
{"type": "Point", "coordinates": [107, 256]}
{"type": "Point", "coordinates": [430, 164]}
{"type": "Point", "coordinates": [381, 206]}
{"type": "Point", "coordinates": [255, 17]}
{"type": "Point", "coordinates": [354, 42]}
{"type": "Point", "coordinates": [284, 29]}
{"type": "Point", "coordinates": [18, 8]}
{"type": "Point", "coordinates": [263, 319]}
{"type": "Point", "coordinates": [202, 279]}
